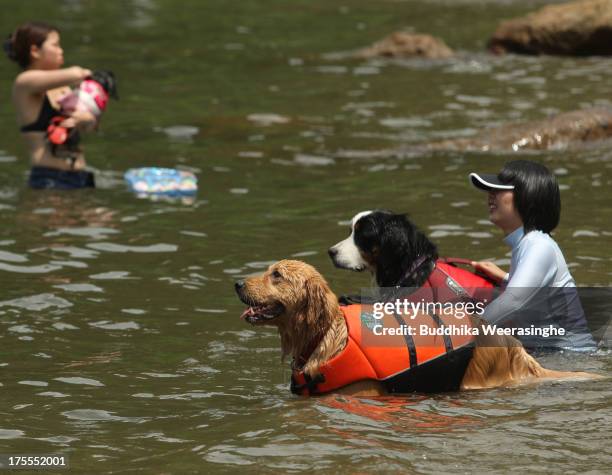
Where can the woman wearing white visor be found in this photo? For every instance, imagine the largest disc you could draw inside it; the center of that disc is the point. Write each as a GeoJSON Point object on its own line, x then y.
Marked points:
{"type": "Point", "coordinates": [539, 291]}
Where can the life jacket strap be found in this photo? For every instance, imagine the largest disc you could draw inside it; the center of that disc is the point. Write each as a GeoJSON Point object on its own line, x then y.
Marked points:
{"type": "Point", "coordinates": [410, 346]}
{"type": "Point", "coordinates": [448, 343]}
{"type": "Point", "coordinates": [310, 384]}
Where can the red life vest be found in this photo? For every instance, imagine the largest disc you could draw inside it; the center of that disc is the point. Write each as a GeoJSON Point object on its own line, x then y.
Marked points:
{"type": "Point", "coordinates": [448, 282]}
{"type": "Point", "coordinates": [400, 361]}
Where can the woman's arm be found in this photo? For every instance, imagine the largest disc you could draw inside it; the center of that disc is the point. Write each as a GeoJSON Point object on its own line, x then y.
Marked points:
{"type": "Point", "coordinates": [535, 271]}
{"type": "Point", "coordinates": [37, 81]}
{"type": "Point", "coordinates": [491, 270]}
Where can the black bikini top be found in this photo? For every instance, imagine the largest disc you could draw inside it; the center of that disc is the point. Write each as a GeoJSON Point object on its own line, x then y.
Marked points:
{"type": "Point", "coordinates": [47, 112]}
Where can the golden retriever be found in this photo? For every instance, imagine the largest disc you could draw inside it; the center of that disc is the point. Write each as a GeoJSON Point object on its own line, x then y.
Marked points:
{"type": "Point", "coordinates": [294, 297]}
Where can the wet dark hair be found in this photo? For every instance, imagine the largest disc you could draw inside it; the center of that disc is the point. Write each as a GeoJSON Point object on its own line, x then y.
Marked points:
{"type": "Point", "coordinates": [17, 46]}
{"type": "Point", "coordinates": [536, 194]}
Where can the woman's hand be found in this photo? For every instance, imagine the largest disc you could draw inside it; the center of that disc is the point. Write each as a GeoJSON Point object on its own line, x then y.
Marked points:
{"type": "Point", "coordinates": [84, 121]}
{"type": "Point", "coordinates": [489, 269]}
{"type": "Point", "coordinates": [80, 73]}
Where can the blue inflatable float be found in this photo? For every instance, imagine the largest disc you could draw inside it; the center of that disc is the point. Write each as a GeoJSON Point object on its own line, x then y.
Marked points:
{"type": "Point", "coordinates": [161, 181]}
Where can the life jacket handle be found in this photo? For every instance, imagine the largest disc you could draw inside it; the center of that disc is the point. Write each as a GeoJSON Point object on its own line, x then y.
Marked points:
{"type": "Point", "coordinates": [456, 260]}
{"type": "Point", "coordinates": [453, 261]}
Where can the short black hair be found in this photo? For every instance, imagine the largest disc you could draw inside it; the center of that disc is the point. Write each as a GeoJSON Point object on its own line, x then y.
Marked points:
{"type": "Point", "coordinates": [536, 194]}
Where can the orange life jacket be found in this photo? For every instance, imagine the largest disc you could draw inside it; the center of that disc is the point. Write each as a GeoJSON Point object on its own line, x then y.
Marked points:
{"type": "Point", "coordinates": [404, 362]}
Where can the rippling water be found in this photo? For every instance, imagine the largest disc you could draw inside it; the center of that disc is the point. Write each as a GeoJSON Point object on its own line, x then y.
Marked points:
{"type": "Point", "coordinates": [121, 343]}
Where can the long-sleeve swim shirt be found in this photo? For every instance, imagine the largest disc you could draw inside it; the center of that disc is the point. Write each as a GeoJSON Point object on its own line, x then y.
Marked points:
{"type": "Point", "coordinates": [540, 291]}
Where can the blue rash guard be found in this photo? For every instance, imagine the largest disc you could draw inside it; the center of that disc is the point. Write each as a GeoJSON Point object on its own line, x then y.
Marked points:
{"type": "Point", "coordinates": [540, 291]}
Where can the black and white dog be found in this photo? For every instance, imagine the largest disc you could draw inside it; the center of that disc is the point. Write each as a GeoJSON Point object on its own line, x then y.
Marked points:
{"type": "Point", "coordinates": [388, 245]}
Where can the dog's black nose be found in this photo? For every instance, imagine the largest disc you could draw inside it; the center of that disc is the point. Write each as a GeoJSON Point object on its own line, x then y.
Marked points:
{"type": "Point", "coordinates": [332, 252]}
{"type": "Point", "coordinates": [239, 285]}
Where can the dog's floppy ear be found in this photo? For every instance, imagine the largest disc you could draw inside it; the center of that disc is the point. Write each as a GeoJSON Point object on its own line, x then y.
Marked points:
{"type": "Point", "coordinates": [393, 250]}
{"type": "Point", "coordinates": [319, 306]}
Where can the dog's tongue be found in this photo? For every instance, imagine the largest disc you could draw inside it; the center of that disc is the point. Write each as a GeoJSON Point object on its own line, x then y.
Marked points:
{"type": "Point", "coordinates": [248, 312]}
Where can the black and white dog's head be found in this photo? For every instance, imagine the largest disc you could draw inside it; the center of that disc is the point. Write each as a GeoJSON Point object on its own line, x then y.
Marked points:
{"type": "Point", "coordinates": [390, 246]}
{"type": "Point", "coordinates": [346, 254]}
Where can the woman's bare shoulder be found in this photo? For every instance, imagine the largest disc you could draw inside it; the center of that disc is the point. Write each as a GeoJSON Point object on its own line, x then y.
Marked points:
{"type": "Point", "coordinates": [20, 90]}
{"type": "Point", "coordinates": [24, 76]}
{"type": "Point", "coordinates": [23, 81]}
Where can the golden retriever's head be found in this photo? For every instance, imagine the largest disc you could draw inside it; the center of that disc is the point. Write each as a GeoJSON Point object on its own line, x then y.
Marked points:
{"type": "Point", "coordinates": [289, 293]}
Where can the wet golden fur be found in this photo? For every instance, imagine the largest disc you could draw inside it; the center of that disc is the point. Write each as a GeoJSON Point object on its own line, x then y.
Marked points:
{"type": "Point", "coordinates": [313, 330]}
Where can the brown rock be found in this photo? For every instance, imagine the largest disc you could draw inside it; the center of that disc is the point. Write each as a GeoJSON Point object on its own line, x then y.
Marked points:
{"type": "Point", "coordinates": [407, 45]}
{"type": "Point", "coordinates": [579, 28]}
{"type": "Point", "coordinates": [558, 132]}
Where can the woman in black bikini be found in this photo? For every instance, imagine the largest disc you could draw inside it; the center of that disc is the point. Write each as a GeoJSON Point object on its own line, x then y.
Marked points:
{"type": "Point", "coordinates": [36, 91]}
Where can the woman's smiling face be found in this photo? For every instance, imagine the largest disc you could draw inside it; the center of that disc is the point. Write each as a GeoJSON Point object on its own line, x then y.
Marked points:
{"type": "Point", "coordinates": [502, 212]}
